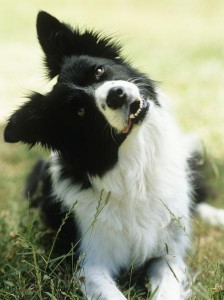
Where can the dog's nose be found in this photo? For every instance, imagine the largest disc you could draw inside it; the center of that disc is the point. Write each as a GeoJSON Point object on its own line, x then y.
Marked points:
{"type": "Point", "coordinates": [116, 97]}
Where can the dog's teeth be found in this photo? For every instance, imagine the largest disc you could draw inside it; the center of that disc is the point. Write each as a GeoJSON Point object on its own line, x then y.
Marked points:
{"type": "Point", "coordinates": [141, 103]}
{"type": "Point", "coordinates": [137, 112]}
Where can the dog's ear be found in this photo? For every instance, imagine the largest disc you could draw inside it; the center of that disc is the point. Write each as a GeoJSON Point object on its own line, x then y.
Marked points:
{"type": "Point", "coordinates": [28, 123]}
{"type": "Point", "coordinates": [59, 40]}
{"type": "Point", "coordinates": [55, 39]}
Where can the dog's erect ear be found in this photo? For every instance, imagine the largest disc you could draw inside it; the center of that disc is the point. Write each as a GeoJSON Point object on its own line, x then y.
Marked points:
{"type": "Point", "coordinates": [28, 123]}
{"type": "Point", "coordinates": [59, 40]}
{"type": "Point", "coordinates": [56, 41]}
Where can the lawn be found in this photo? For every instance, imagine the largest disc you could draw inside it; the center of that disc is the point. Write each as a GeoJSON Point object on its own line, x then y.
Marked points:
{"type": "Point", "coordinates": [180, 45]}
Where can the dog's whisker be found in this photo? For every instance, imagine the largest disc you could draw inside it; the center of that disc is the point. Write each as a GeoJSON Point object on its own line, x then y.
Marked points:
{"type": "Point", "coordinates": [135, 79]}
{"type": "Point", "coordinates": [106, 130]}
{"type": "Point", "coordinates": [112, 134]}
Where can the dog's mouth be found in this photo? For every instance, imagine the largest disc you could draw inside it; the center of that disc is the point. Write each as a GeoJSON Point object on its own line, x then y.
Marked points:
{"type": "Point", "coordinates": [137, 112]}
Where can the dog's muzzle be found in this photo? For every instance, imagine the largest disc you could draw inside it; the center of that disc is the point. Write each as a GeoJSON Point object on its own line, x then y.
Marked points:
{"type": "Point", "coordinates": [124, 100]}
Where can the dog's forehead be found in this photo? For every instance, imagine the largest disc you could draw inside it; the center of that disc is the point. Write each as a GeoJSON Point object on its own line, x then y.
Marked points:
{"type": "Point", "coordinates": [80, 69]}
{"type": "Point", "coordinates": [84, 62]}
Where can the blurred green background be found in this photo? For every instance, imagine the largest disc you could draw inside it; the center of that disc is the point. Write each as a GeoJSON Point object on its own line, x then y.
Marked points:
{"type": "Point", "coordinates": [178, 43]}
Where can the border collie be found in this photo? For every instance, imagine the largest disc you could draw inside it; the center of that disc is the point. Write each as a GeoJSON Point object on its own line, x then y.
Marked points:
{"type": "Point", "coordinates": [119, 163]}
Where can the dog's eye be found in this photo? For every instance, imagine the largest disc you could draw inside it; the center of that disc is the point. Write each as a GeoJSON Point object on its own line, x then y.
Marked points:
{"type": "Point", "coordinates": [81, 112]}
{"type": "Point", "coordinates": [99, 72]}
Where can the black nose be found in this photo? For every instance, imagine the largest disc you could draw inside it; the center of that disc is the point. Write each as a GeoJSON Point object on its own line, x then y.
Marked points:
{"type": "Point", "coordinates": [116, 97]}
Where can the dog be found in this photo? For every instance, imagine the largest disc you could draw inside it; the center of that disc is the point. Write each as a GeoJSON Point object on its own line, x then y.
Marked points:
{"type": "Point", "coordinates": [119, 163]}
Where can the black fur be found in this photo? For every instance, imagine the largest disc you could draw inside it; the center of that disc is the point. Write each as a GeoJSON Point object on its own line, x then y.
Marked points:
{"type": "Point", "coordinates": [39, 192]}
{"type": "Point", "coordinates": [34, 179]}
{"type": "Point", "coordinates": [66, 119]}
{"type": "Point", "coordinates": [59, 40]}
{"type": "Point", "coordinates": [85, 141]}
{"type": "Point", "coordinates": [196, 166]}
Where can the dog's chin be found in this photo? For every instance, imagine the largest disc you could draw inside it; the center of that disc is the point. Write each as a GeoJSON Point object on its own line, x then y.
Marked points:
{"type": "Point", "coordinates": [137, 113]}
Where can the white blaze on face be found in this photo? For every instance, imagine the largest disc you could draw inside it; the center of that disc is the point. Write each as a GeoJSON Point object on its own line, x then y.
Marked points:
{"type": "Point", "coordinates": [117, 118]}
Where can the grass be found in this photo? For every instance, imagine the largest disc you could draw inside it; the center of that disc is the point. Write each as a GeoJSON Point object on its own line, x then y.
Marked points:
{"type": "Point", "coordinates": [177, 43]}
{"type": "Point", "coordinates": [28, 269]}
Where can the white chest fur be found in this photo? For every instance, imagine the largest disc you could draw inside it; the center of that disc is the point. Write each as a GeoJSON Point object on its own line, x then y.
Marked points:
{"type": "Point", "coordinates": [149, 196]}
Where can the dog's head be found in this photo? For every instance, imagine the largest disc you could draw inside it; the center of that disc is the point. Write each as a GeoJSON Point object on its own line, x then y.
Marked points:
{"type": "Point", "coordinates": [96, 101]}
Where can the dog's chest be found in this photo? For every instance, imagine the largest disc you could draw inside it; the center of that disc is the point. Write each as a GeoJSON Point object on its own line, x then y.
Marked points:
{"type": "Point", "coordinates": [125, 218]}
{"type": "Point", "coordinates": [129, 233]}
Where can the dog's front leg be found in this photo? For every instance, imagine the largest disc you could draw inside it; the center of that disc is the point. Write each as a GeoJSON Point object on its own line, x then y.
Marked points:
{"type": "Point", "coordinates": [169, 279]}
{"type": "Point", "coordinates": [97, 283]}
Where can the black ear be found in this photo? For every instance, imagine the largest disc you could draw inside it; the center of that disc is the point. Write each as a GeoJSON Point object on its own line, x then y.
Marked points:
{"type": "Point", "coordinates": [56, 41]}
{"type": "Point", "coordinates": [59, 40]}
{"type": "Point", "coordinates": [27, 123]}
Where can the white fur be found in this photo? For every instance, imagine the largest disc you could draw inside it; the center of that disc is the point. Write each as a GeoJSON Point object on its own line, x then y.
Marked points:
{"type": "Point", "coordinates": [117, 118]}
{"type": "Point", "coordinates": [210, 214]}
{"type": "Point", "coordinates": [146, 217]}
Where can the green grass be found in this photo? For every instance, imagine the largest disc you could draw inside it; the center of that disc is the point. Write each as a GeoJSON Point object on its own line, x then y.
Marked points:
{"type": "Point", "coordinates": [180, 44]}
{"type": "Point", "coordinates": [28, 270]}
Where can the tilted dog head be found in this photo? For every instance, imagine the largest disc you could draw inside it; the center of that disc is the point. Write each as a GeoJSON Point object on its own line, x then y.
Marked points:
{"type": "Point", "coordinates": [96, 101]}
